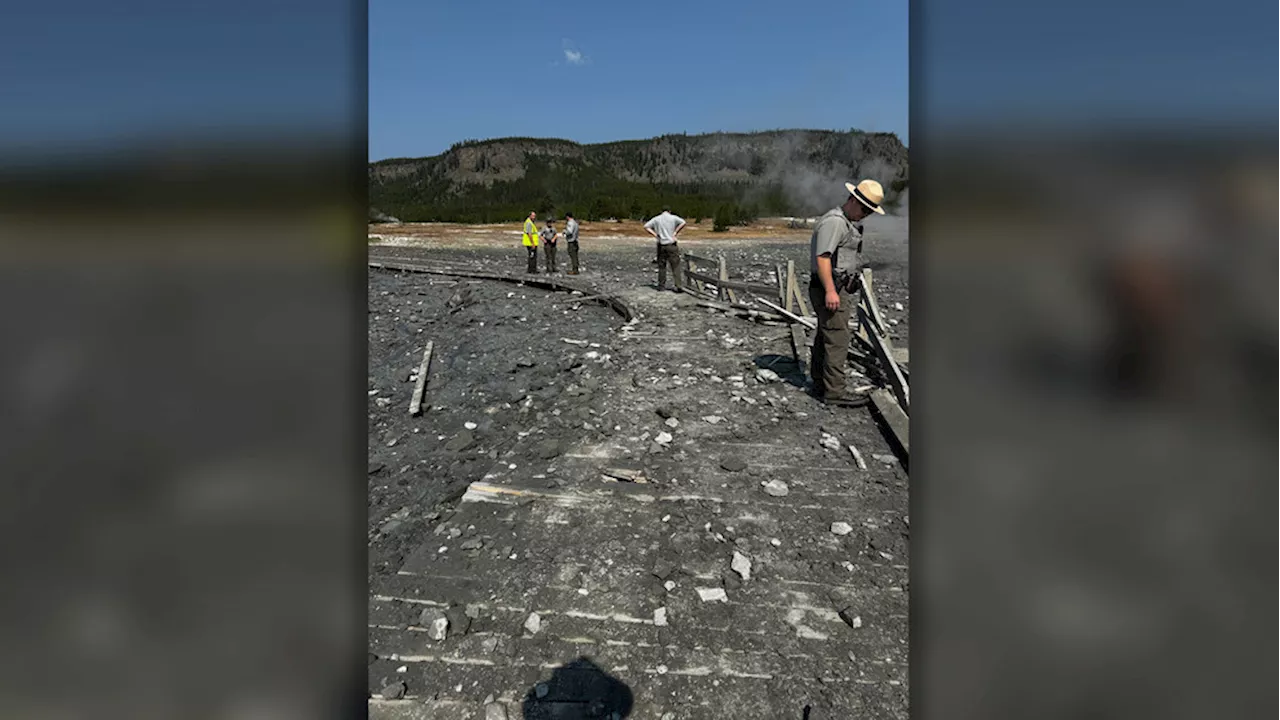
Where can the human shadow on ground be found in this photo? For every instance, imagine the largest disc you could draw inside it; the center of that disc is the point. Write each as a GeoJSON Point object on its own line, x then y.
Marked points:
{"type": "Point", "coordinates": [785, 366]}
{"type": "Point", "coordinates": [578, 689]}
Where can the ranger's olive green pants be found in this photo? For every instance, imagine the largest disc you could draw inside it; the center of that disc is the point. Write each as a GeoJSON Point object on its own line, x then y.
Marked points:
{"type": "Point", "coordinates": [831, 345]}
{"type": "Point", "coordinates": [550, 249]}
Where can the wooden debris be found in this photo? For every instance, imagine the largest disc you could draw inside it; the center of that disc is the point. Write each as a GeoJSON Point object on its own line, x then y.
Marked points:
{"type": "Point", "coordinates": [624, 474]}
{"type": "Point", "coordinates": [415, 403]}
{"type": "Point", "coordinates": [803, 321]}
{"type": "Point", "coordinates": [869, 298]}
{"type": "Point", "coordinates": [799, 343]}
{"type": "Point", "coordinates": [894, 417]}
{"type": "Point", "coordinates": [857, 457]}
{"type": "Point", "coordinates": [884, 352]}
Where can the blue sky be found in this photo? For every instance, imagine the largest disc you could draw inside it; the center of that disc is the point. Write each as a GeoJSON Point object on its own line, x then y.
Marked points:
{"type": "Point", "coordinates": [592, 71]}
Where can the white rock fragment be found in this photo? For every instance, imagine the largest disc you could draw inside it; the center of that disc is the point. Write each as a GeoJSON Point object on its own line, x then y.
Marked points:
{"type": "Point", "coordinates": [664, 438]}
{"type": "Point", "coordinates": [712, 595]}
{"type": "Point", "coordinates": [672, 422]}
{"type": "Point", "coordinates": [669, 585]}
{"type": "Point", "coordinates": [841, 528]}
{"type": "Point", "coordinates": [776, 488]}
{"type": "Point", "coordinates": [741, 564]}
{"type": "Point", "coordinates": [765, 375]}
{"type": "Point", "coordinates": [829, 441]}
{"type": "Point", "coordinates": [660, 617]}
{"type": "Point", "coordinates": [775, 542]}
{"type": "Point", "coordinates": [469, 425]}
{"type": "Point", "coordinates": [533, 624]}
{"type": "Point", "coordinates": [439, 628]}
{"type": "Point", "coordinates": [713, 419]}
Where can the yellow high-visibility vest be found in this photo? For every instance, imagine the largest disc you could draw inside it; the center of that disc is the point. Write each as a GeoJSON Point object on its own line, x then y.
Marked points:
{"type": "Point", "coordinates": [530, 233]}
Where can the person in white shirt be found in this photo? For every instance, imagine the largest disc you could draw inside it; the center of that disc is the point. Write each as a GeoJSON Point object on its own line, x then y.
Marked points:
{"type": "Point", "coordinates": [571, 240]}
{"type": "Point", "coordinates": [665, 227]}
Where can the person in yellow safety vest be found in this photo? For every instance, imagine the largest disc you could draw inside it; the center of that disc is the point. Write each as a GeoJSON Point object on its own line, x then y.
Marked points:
{"type": "Point", "coordinates": [530, 239]}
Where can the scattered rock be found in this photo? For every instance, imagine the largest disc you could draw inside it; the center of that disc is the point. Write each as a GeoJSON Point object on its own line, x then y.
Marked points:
{"type": "Point", "coordinates": [663, 569]}
{"type": "Point", "coordinates": [660, 617]}
{"type": "Point", "coordinates": [472, 544]}
{"type": "Point", "coordinates": [436, 622]}
{"type": "Point", "coordinates": [898, 306]}
{"type": "Point", "coordinates": [733, 464]}
{"type": "Point", "coordinates": [472, 611]}
{"type": "Point", "coordinates": [376, 467]}
{"type": "Point", "coordinates": [495, 711]}
{"type": "Point", "coordinates": [713, 419]}
{"type": "Point", "coordinates": [776, 488]}
{"type": "Point", "coordinates": [672, 422]}
{"type": "Point", "coordinates": [533, 624]}
{"type": "Point", "coordinates": [394, 691]}
{"type": "Point", "coordinates": [469, 425]}
{"type": "Point", "coordinates": [841, 528]}
{"type": "Point", "coordinates": [669, 585]}
{"type": "Point", "coordinates": [886, 459]}
{"type": "Point", "coordinates": [666, 412]}
{"type": "Point", "coordinates": [460, 442]}
{"type": "Point", "coordinates": [516, 396]}
{"type": "Point", "coordinates": [853, 621]}
{"type": "Point", "coordinates": [489, 644]}
{"type": "Point", "coordinates": [664, 438]}
{"type": "Point", "coordinates": [765, 375]}
{"type": "Point", "coordinates": [742, 565]}
{"type": "Point", "coordinates": [548, 449]}
{"type": "Point", "coordinates": [829, 441]}
{"type": "Point", "coordinates": [713, 595]}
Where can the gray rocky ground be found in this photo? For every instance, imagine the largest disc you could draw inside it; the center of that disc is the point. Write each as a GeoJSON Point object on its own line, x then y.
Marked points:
{"type": "Point", "coordinates": [633, 524]}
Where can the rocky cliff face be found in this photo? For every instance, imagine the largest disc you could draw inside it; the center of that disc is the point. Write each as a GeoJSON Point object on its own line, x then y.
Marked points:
{"type": "Point", "coordinates": [808, 165]}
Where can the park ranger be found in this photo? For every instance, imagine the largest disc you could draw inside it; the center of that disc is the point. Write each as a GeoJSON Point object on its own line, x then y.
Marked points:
{"type": "Point", "coordinates": [530, 240]}
{"type": "Point", "coordinates": [571, 240]}
{"type": "Point", "coordinates": [549, 238]}
{"type": "Point", "coordinates": [835, 251]}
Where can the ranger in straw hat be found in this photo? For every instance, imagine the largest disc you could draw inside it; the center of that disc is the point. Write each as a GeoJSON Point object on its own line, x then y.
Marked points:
{"type": "Point", "coordinates": [835, 259]}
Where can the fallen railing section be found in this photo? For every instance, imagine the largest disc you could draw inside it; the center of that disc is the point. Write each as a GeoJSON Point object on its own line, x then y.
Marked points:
{"type": "Point", "coordinates": [611, 301]}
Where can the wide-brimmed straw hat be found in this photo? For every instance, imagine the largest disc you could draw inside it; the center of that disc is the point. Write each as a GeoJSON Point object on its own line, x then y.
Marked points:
{"type": "Point", "coordinates": [869, 193]}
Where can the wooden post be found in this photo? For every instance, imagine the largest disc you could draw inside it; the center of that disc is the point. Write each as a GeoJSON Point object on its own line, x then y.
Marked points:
{"type": "Point", "coordinates": [783, 297]}
{"type": "Point", "coordinates": [793, 284]}
{"type": "Point", "coordinates": [415, 403]}
{"type": "Point", "coordinates": [724, 275]}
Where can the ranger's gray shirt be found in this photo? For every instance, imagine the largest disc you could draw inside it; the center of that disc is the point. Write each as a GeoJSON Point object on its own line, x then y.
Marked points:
{"type": "Point", "coordinates": [834, 234]}
{"type": "Point", "coordinates": [665, 226]}
{"type": "Point", "coordinates": [549, 233]}
{"type": "Point", "coordinates": [571, 231]}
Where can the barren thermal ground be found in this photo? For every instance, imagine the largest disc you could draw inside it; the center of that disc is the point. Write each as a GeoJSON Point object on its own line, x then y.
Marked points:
{"type": "Point", "coordinates": [596, 518]}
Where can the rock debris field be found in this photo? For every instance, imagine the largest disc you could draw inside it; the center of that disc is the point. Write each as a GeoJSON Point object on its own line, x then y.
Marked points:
{"type": "Point", "coordinates": [596, 519]}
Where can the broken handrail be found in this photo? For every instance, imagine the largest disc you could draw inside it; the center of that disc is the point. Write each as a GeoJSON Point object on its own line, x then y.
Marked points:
{"type": "Point", "coordinates": [610, 301]}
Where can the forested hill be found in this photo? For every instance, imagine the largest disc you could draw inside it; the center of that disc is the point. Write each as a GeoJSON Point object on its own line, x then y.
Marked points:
{"type": "Point", "coordinates": [782, 172]}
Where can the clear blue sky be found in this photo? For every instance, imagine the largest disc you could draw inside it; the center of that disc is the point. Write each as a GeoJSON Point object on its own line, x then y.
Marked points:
{"type": "Point", "coordinates": [593, 71]}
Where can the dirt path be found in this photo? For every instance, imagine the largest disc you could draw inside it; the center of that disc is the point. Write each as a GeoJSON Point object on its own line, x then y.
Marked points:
{"type": "Point", "coordinates": [616, 571]}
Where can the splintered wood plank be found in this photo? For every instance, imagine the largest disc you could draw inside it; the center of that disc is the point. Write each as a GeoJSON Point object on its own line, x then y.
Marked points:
{"type": "Point", "coordinates": [869, 298]}
{"type": "Point", "coordinates": [415, 403]}
{"type": "Point", "coordinates": [894, 418]}
{"type": "Point", "coordinates": [884, 353]}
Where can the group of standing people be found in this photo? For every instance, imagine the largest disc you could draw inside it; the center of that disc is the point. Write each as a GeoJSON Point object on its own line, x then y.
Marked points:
{"type": "Point", "coordinates": [835, 260]}
{"type": "Point", "coordinates": [549, 239]}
